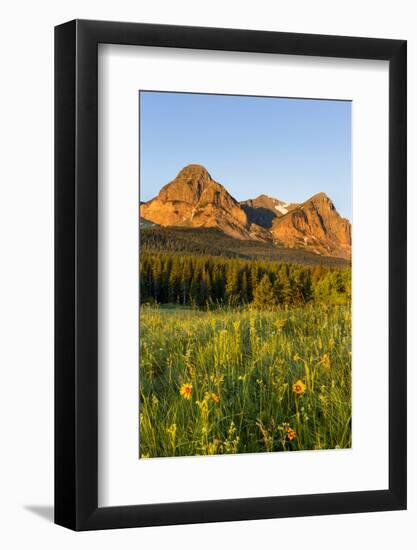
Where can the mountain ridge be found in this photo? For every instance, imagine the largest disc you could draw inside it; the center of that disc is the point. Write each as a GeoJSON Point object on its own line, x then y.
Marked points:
{"type": "Point", "coordinates": [194, 199]}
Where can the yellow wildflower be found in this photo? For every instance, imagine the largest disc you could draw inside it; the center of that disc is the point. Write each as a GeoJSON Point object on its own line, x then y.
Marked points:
{"type": "Point", "coordinates": [325, 361]}
{"type": "Point", "coordinates": [299, 387]}
{"type": "Point", "coordinates": [292, 434]}
{"type": "Point", "coordinates": [185, 391]}
{"type": "Point", "coordinates": [215, 398]}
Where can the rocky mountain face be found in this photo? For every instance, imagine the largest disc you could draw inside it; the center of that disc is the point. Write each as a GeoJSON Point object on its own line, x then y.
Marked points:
{"type": "Point", "coordinates": [315, 225]}
{"type": "Point", "coordinates": [263, 210]}
{"type": "Point", "coordinates": [194, 199]}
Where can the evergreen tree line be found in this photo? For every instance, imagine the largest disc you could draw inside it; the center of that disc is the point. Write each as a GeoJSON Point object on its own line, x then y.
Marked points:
{"type": "Point", "coordinates": [210, 280]}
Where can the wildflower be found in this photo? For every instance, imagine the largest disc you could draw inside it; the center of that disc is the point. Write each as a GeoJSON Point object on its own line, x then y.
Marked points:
{"type": "Point", "coordinates": [215, 398]}
{"type": "Point", "coordinates": [291, 434]}
{"type": "Point", "coordinates": [299, 387]}
{"type": "Point", "coordinates": [296, 357]}
{"type": "Point", "coordinates": [325, 361]}
{"type": "Point", "coordinates": [185, 391]}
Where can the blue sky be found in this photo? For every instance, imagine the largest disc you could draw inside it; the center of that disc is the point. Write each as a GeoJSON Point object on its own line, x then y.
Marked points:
{"type": "Point", "coordinates": [286, 148]}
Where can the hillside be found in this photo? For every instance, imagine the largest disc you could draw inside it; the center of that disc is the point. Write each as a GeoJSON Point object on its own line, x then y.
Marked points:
{"type": "Point", "coordinates": [213, 242]}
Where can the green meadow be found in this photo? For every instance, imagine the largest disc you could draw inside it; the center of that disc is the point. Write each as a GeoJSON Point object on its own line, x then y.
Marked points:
{"type": "Point", "coordinates": [245, 379]}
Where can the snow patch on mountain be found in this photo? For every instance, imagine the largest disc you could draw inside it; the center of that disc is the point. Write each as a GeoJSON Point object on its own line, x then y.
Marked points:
{"type": "Point", "coordinates": [282, 208]}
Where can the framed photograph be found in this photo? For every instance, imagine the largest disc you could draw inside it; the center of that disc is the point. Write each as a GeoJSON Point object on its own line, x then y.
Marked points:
{"type": "Point", "coordinates": [230, 248]}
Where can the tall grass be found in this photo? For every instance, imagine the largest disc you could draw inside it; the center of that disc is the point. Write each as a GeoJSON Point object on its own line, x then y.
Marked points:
{"type": "Point", "coordinates": [242, 365]}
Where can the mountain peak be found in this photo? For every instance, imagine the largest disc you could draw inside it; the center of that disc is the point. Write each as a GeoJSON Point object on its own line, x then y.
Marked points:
{"type": "Point", "coordinates": [188, 186]}
{"type": "Point", "coordinates": [264, 209]}
{"type": "Point", "coordinates": [320, 197]}
{"type": "Point", "coordinates": [193, 170]}
{"type": "Point", "coordinates": [322, 203]}
{"type": "Point", "coordinates": [262, 196]}
{"type": "Point", "coordinates": [194, 199]}
{"type": "Point", "coordinates": [315, 224]}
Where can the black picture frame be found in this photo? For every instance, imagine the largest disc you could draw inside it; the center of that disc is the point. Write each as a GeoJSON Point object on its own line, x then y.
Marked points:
{"type": "Point", "coordinates": [76, 272]}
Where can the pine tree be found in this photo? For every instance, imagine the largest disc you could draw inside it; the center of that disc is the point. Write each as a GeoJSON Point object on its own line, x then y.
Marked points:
{"type": "Point", "coordinates": [157, 279]}
{"type": "Point", "coordinates": [186, 282]}
{"type": "Point", "coordinates": [339, 283]}
{"type": "Point", "coordinates": [284, 285]}
{"type": "Point", "coordinates": [205, 288]}
{"type": "Point", "coordinates": [218, 283]}
{"type": "Point", "coordinates": [244, 288]}
{"type": "Point", "coordinates": [253, 279]}
{"type": "Point", "coordinates": [145, 281]}
{"type": "Point", "coordinates": [306, 286]}
{"type": "Point", "coordinates": [232, 284]}
{"type": "Point", "coordinates": [195, 289]}
{"type": "Point", "coordinates": [277, 288]}
{"type": "Point", "coordinates": [264, 296]}
{"type": "Point", "coordinates": [174, 283]}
